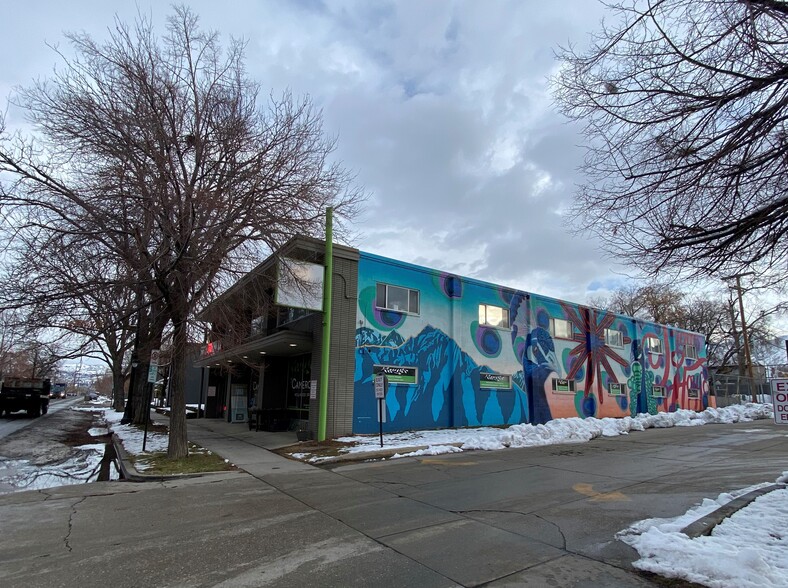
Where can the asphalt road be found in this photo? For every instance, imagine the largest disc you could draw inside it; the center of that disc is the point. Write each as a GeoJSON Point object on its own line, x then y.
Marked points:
{"type": "Point", "coordinates": [519, 517]}
{"type": "Point", "coordinates": [20, 420]}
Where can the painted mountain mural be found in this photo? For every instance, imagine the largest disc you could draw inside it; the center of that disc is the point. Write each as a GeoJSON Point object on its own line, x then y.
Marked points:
{"type": "Point", "coordinates": [447, 391]}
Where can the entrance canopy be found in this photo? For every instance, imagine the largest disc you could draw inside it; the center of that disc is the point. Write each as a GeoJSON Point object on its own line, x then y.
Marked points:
{"type": "Point", "coordinates": [280, 344]}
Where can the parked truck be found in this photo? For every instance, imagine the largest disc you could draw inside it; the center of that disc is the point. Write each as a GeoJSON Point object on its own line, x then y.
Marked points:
{"type": "Point", "coordinates": [28, 394]}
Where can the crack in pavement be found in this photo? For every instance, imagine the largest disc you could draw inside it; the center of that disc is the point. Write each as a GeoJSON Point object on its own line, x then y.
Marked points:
{"type": "Point", "coordinates": [67, 538]}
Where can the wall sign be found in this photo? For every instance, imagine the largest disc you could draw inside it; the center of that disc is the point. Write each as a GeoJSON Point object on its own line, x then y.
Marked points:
{"type": "Point", "coordinates": [563, 385]}
{"type": "Point", "coordinates": [397, 374]}
{"type": "Point", "coordinates": [495, 381]}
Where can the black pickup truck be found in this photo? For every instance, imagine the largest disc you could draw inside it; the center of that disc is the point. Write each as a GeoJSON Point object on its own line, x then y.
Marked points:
{"type": "Point", "coordinates": [28, 394]}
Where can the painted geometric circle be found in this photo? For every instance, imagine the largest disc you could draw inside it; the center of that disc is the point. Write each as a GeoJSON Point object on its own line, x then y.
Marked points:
{"type": "Point", "coordinates": [451, 285]}
{"type": "Point", "coordinates": [487, 340]}
{"type": "Point", "coordinates": [623, 402]}
{"type": "Point", "coordinates": [506, 296]}
{"type": "Point", "coordinates": [381, 319]}
{"type": "Point", "coordinates": [585, 405]}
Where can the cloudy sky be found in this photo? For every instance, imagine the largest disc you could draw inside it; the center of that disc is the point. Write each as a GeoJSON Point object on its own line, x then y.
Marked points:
{"type": "Point", "coordinates": [441, 109]}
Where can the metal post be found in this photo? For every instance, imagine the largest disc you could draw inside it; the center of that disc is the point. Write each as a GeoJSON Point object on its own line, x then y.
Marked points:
{"type": "Point", "coordinates": [325, 351]}
{"type": "Point", "coordinates": [147, 414]}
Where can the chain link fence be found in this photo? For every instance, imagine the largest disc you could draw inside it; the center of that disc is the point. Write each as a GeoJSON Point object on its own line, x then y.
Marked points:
{"type": "Point", "coordinates": [734, 389]}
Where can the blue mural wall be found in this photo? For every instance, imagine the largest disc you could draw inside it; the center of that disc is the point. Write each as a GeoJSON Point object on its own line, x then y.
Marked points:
{"type": "Point", "coordinates": [548, 377]}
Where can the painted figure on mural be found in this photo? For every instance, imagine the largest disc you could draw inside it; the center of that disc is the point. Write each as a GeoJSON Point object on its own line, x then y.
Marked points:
{"type": "Point", "coordinates": [540, 366]}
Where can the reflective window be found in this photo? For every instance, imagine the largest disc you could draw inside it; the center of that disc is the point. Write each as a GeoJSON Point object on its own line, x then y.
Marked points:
{"type": "Point", "coordinates": [493, 316]}
{"type": "Point", "coordinates": [397, 298]}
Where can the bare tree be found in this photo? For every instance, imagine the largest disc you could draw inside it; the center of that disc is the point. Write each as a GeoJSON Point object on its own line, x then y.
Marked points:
{"type": "Point", "coordinates": [684, 106]}
{"type": "Point", "coordinates": [715, 315]}
{"type": "Point", "coordinates": [77, 293]}
{"type": "Point", "coordinates": [159, 151]}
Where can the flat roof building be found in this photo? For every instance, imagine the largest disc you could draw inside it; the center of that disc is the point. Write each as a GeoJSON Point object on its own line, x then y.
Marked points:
{"type": "Point", "coordinates": [457, 352]}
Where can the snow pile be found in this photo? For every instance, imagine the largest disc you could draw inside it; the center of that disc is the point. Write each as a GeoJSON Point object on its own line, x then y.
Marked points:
{"type": "Point", "coordinates": [748, 548]}
{"type": "Point", "coordinates": [558, 431]}
{"type": "Point", "coordinates": [131, 436]}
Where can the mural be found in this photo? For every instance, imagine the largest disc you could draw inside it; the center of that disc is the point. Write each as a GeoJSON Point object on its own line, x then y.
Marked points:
{"type": "Point", "coordinates": [544, 376]}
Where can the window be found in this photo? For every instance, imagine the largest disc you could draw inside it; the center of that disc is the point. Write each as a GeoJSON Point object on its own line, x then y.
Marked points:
{"type": "Point", "coordinates": [653, 345]}
{"type": "Point", "coordinates": [288, 314]}
{"type": "Point", "coordinates": [693, 393]}
{"type": "Point", "coordinates": [562, 385]}
{"type": "Point", "coordinates": [616, 389]}
{"type": "Point", "coordinates": [690, 352]}
{"type": "Point", "coordinates": [561, 328]}
{"type": "Point", "coordinates": [493, 316]}
{"type": "Point", "coordinates": [396, 298]}
{"type": "Point", "coordinates": [258, 326]}
{"type": "Point", "coordinates": [658, 391]}
{"type": "Point", "coordinates": [614, 338]}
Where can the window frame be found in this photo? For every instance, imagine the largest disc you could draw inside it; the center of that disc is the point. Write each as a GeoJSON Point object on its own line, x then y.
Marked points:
{"type": "Point", "coordinates": [569, 325]}
{"type": "Point", "coordinates": [608, 341]}
{"type": "Point", "coordinates": [693, 393]}
{"type": "Point", "coordinates": [409, 292]}
{"type": "Point", "coordinates": [622, 387]}
{"type": "Point", "coordinates": [660, 387]}
{"type": "Point", "coordinates": [687, 355]}
{"type": "Point", "coordinates": [570, 383]}
{"type": "Point", "coordinates": [648, 345]}
{"type": "Point", "coordinates": [484, 305]}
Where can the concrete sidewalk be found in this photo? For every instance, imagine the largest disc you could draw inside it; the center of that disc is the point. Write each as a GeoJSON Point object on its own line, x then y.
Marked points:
{"type": "Point", "coordinates": [249, 450]}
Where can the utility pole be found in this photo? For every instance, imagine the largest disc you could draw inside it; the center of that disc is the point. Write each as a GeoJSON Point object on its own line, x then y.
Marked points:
{"type": "Point", "coordinates": [747, 358]}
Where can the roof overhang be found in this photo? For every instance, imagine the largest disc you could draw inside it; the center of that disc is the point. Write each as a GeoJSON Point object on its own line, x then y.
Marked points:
{"type": "Point", "coordinates": [281, 344]}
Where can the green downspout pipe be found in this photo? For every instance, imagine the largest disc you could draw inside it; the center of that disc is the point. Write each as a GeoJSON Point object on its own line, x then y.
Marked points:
{"type": "Point", "coordinates": [325, 351]}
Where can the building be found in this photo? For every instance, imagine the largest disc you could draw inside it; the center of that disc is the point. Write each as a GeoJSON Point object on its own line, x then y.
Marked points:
{"type": "Point", "coordinates": [457, 352]}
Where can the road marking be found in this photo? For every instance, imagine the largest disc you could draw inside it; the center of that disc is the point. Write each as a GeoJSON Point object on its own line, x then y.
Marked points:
{"type": "Point", "coordinates": [588, 490]}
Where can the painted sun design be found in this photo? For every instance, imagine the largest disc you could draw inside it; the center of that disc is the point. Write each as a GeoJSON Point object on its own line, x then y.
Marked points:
{"type": "Point", "coordinates": [591, 351]}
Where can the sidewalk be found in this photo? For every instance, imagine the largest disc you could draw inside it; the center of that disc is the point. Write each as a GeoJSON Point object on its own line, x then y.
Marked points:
{"type": "Point", "coordinates": [251, 451]}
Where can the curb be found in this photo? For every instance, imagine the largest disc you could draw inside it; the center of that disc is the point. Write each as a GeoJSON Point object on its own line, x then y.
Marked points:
{"type": "Point", "coordinates": [705, 525]}
{"type": "Point", "coordinates": [130, 473]}
{"type": "Point", "coordinates": [368, 455]}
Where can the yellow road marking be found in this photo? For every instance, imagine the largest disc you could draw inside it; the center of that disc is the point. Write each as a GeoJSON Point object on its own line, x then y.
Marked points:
{"type": "Point", "coordinates": [588, 490]}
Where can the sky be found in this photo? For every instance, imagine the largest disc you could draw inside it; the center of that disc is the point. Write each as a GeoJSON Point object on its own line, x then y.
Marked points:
{"type": "Point", "coordinates": [441, 109]}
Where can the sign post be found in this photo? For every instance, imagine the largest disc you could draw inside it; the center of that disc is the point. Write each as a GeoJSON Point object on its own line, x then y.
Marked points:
{"type": "Point", "coordinates": [780, 401]}
{"type": "Point", "coordinates": [153, 373]}
{"type": "Point", "coordinates": [380, 394]}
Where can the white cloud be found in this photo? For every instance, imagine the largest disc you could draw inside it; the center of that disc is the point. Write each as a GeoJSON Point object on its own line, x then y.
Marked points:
{"type": "Point", "coordinates": [441, 108]}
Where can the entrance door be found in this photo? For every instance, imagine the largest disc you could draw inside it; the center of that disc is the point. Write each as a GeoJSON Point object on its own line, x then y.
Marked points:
{"type": "Point", "coordinates": [299, 370]}
{"type": "Point", "coordinates": [238, 403]}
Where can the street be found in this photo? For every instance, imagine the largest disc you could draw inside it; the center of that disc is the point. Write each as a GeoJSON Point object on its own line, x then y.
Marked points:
{"type": "Point", "coordinates": [526, 517]}
{"type": "Point", "coordinates": [53, 449]}
{"type": "Point", "coordinates": [20, 420]}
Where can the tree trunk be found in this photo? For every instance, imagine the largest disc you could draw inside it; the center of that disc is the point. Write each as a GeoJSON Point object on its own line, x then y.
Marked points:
{"type": "Point", "coordinates": [178, 446]}
{"type": "Point", "coordinates": [140, 404]}
{"type": "Point", "coordinates": [118, 393]}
